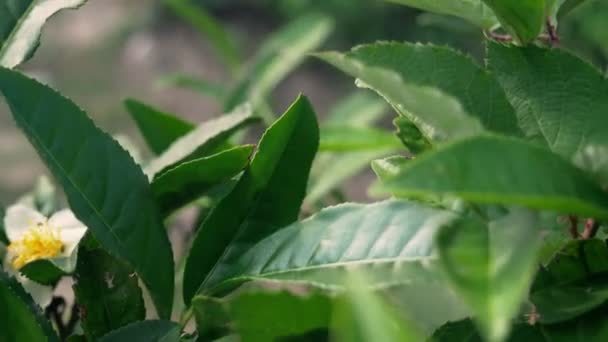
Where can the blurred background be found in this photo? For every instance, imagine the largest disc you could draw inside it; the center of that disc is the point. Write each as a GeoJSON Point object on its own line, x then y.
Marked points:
{"type": "Point", "coordinates": [110, 50]}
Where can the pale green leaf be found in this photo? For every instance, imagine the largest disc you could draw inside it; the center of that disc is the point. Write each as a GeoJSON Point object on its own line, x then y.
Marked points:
{"type": "Point", "coordinates": [21, 22]}
{"type": "Point", "coordinates": [498, 170]}
{"type": "Point", "coordinates": [277, 57]}
{"type": "Point", "coordinates": [345, 138]}
{"type": "Point", "coordinates": [201, 141]}
{"type": "Point", "coordinates": [472, 10]}
{"type": "Point", "coordinates": [449, 71]}
{"type": "Point", "coordinates": [145, 331]}
{"type": "Point", "coordinates": [439, 116]}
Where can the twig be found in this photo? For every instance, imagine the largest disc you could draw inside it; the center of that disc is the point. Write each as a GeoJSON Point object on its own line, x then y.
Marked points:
{"type": "Point", "coordinates": [553, 38]}
{"type": "Point", "coordinates": [505, 38]}
{"type": "Point", "coordinates": [572, 228]}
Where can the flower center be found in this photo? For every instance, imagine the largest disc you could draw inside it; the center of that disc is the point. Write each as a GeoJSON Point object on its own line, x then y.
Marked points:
{"type": "Point", "coordinates": [39, 242]}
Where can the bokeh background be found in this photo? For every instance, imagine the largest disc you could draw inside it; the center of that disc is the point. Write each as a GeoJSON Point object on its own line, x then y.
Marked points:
{"type": "Point", "coordinates": [113, 49]}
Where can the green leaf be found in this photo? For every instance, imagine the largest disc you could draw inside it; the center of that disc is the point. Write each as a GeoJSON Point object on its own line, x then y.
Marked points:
{"type": "Point", "coordinates": [560, 99]}
{"type": "Point", "coordinates": [202, 141]}
{"type": "Point", "coordinates": [410, 135]}
{"type": "Point", "coordinates": [105, 188]}
{"type": "Point", "coordinates": [159, 129]}
{"type": "Point", "coordinates": [204, 87]}
{"type": "Point", "coordinates": [107, 290]}
{"type": "Point", "coordinates": [364, 316]}
{"type": "Point", "coordinates": [206, 24]}
{"type": "Point", "coordinates": [568, 6]}
{"type": "Point", "coordinates": [497, 170]}
{"type": "Point", "coordinates": [345, 138]}
{"type": "Point", "coordinates": [190, 180]}
{"type": "Point", "coordinates": [472, 10]}
{"type": "Point", "coordinates": [145, 331]}
{"type": "Point", "coordinates": [334, 169]}
{"type": "Point", "coordinates": [391, 241]}
{"type": "Point", "coordinates": [267, 197]}
{"type": "Point", "coordinates": [43, 272]}
{"type": "Point", "coordinates": [438, 115]}
{"type": "Point", "coordinates": [329, 170]}
{"type": "Point", "coordinates": [359, 109]}
{"type": "Point", "coordinates": [523, 19]}
{"type": "Point", "coordinates": [264, 314]}
{"type": "Point", "coordinates": [22, 319]}
{"type": "Point", "coordinates": [491, 266]}
{"type": "Point", "coordinates": [277, 57]}
{"type": "Point", "coordinates": [21, 22]}
{"type": "Point", "coordinates": [572, 283]}
{"type": "Point", "coordinates": [464, 330]}
{"type": "Point", "coordinates": [449, 71]}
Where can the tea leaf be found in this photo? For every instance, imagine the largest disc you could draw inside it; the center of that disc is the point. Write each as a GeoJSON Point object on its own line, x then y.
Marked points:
{"type": "Point", "coordinates": [21, 22]}
{"type": "Point", "coordinates": [474, 11]}
{"type": "Point", "coordinates": [22, 319]}
{"type": "Point", "coordinates": [267, 197]}
{"type": "Point", "coordinates": [105, 188]}
{"type": "Point", "coordinates": [190, 180]}
{"type": "Point", "coordinates": [107, 290]}
{"type": "Point", "coordinates": [159, 129]}
{"type": "Point", "coordinates": [497, 170]}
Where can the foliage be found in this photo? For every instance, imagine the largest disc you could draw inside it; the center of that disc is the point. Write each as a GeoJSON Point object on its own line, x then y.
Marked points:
{"type": "Point", "coordinates": [490, 163]}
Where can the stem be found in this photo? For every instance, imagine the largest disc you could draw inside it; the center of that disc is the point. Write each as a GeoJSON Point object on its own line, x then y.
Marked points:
{"type": "Point", "coordinates": [552, 32]}
{"type": "Point", "coordinates": [591, 228]}
{"type": "Point", "coordinates": [572, 228]}
{"type": "Point", "coordinates": [505, 38]}
{"type": "Point", "coordinates": [186, 317]}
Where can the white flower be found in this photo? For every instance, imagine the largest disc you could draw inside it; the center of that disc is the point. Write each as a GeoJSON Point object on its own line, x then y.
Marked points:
{"type": "Point", "coordinates": [34, 237]}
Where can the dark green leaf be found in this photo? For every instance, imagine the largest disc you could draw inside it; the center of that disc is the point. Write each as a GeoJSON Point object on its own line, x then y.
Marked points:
{"type": "Point", "coordinates": [267, 197]}
{"type": "Point", "coordinates": [472, 10]}
{"type": "Point", "coordinates": [42, 272]}
{"type": "Point", "coordinates": [203, 141]}
{"type": "Point", "coordinates": [491, 265]}
{"type": "Point", "coordinates": [522, 18]}
{"type": "Point", "coordinates": [3, 237]}
{"type": "Point", "coordinates": [560, 99]}
{"type": "Point", "coordinates": [22, 319]}
{"type": "Point", "coordinates": [20, 24]}
{"type": "Point", "coordinates": [464, 330]}
{"type": "Point", "coordinates": [159, 129]}
{"type": "Point", "coordinates": [145, 331]}
{"type": "Point", "coordinates": [345, 138]}
{"type": "Point", "coordinates": [570, 285]}
{"type": "Point", "coordinates": [190, 180]}
{"type": "Point", "coordinates": [259, 314]}
{"type": "Point", "coordinates": [107, 290]}
{"type": "Point", "coordinates": [449, 71]}
{"type": "Point", "coordinates": [497, 170]}
{"type": "Point", "coordinates": [277, 57]}
{"type": "Point", "coordinates": [105, 188]}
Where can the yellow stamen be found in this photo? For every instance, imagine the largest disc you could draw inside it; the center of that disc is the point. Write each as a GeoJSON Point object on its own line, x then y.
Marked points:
{"type": "Point", "coordinates": [39, 242]}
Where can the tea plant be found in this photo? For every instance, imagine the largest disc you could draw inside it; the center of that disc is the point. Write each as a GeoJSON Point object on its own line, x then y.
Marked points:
{"type": "Point", "coordinates": [494, 230]}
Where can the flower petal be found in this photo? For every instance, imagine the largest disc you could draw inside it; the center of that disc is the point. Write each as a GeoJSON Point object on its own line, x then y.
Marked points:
{"type": "Point", "coordinates": [65, 220]}
{"type": "Point", "coordinates": [41, 294]}
{"type": "Point", "coordinates": [19, 219]}
{"type": "Point", "coordinates": [70, 238]}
